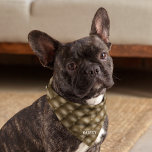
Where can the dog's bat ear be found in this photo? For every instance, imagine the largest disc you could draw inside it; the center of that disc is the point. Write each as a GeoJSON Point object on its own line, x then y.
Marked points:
{"type": "Point", "coordinates": [101, 25]}
{"type": "Point", "coordinates": [44, 47]}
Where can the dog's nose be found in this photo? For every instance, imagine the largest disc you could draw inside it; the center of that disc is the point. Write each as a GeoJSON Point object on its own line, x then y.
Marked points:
{"type": "Point", "coordinates": [93, 70]}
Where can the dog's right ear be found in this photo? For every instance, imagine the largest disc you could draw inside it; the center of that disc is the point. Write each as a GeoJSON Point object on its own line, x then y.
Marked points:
{"type": "Point", "coordinates": [44, 47]}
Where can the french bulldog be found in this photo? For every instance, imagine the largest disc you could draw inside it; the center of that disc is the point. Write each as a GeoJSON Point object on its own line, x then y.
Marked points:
{"type": "Point", "coordinates": [82, 72]}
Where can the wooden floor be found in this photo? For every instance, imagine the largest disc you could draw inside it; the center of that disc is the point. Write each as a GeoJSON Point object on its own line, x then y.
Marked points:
{"type": "Point", "coordinates": [139, 51]}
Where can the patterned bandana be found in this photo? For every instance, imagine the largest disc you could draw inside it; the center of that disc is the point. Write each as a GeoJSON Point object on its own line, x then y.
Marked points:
{"type": "Point", "coordinates": [82, 120]}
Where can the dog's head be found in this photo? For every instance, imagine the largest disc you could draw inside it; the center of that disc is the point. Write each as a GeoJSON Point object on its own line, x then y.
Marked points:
{"type": "Point", "coordinates": [81, 69]}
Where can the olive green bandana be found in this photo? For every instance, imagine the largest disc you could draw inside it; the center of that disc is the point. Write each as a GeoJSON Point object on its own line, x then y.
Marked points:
{"type": "Point", "coordinates": [82, 120]}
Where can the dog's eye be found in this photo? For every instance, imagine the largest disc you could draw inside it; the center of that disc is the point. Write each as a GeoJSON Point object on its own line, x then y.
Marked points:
{"type": "Point", "coordinates": [103, 55]}
{"type": "Point", "coordinates": [72, 66]}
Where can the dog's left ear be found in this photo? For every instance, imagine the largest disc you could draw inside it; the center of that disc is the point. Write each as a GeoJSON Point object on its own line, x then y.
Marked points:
{"type": "Point", "coordinates": [44, 46]}
{"type": "Point", "coordinates": [101, 25]}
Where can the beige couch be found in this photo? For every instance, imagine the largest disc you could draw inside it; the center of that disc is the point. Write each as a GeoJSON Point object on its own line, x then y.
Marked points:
{"type": "Point", "coordinates": [67, 20]}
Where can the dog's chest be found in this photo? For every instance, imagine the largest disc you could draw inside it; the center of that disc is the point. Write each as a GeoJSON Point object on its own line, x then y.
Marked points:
{"type": "Point", "coordinates": [84, 121]}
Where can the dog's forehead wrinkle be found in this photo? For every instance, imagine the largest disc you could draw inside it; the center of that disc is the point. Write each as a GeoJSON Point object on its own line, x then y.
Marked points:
{"type": "Point", "coordinates": [94, 43]}
{"type": "Point", "coordinates": [83, 46]}
{"type": "Point", "coordinates": [66, 51]}
{"type": "Point", "coordinates": [99, 43]}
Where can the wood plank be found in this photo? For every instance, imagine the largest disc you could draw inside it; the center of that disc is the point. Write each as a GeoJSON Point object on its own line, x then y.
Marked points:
{"type": "Point", "coordinates": [139, 51]}
{"type": "Point", "coordinates": [15, 48]}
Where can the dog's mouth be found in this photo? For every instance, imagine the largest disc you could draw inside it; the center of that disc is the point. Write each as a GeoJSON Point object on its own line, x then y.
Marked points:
{"type": "Point", "coordinates": [94, 89]}
{"type": "Point", "coordinates": [85, 88]}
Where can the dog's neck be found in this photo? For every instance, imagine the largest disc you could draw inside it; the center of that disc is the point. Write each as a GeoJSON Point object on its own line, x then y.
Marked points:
{"type": "Point", "coordinates": [84, 121]}
{"type": "Point", "coordinates": [92, 101]}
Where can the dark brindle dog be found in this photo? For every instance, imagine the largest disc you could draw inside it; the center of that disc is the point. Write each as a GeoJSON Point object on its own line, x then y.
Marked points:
{"type": "Point", "coordinates": [82, 71]}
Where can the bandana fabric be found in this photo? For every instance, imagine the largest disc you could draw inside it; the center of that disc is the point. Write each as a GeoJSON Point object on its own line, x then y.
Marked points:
{"type": "Point", "coordinates": [82, 120]}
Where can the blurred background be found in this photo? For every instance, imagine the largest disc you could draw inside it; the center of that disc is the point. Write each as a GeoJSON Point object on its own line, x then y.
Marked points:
{"type": "Point", "coordinates": [22, 78]}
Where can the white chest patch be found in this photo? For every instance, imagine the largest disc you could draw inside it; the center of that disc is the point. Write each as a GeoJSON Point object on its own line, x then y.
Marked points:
{"type": "Point", "coordinates": [82, 147]}
{"type": "Point", "coordinates": [96, 100]}
{"type": "Point", "coordinates": [101, 133]}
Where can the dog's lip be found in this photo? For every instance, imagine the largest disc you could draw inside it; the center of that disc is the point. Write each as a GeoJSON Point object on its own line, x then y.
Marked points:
{"type": "Point", "coordinates": [88, 89]}
{"type": "Point", "coordinates": [102, 92]}
{"type": "Point", "coordinates": [86, 97]}
{"type": "Point", "coordinates": [82, 95]}
{"type": "Point", "coordinates": [97, 85]}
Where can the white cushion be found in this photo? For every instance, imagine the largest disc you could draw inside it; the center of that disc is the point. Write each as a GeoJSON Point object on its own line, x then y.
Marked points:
{"type": "Point", "coordinates": [14, 15]}
{"type": "Point", "coordinates": [68, 20]}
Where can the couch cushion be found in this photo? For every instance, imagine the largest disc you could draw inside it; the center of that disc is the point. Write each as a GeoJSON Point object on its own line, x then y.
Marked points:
{"type": "Point", "coordinates": [14, 15]}
{"type": "Point", "coordinates": [67, 20]}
